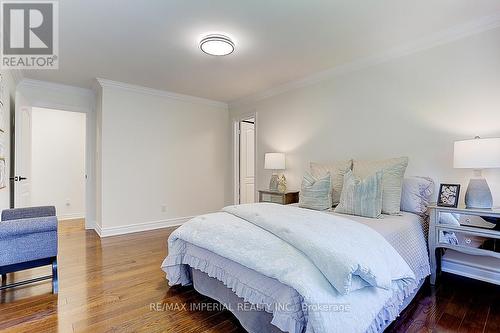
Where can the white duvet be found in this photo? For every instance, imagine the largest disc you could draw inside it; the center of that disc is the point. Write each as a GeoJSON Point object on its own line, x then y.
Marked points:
{"type": "Point", "coordinates": [344, 270]}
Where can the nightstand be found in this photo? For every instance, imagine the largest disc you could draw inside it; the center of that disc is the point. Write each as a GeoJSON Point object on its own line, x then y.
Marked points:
{"type": "Point", "coordinates": [284, 198]}
{"type": "Point", "coordinates": [465, 242]}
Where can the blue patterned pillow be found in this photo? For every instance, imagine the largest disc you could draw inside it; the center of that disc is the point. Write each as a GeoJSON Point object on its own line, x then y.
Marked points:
{"type": "Point", "coordinates": [362, 197]}
{"type": "Point", "coordinates": [315, 193]}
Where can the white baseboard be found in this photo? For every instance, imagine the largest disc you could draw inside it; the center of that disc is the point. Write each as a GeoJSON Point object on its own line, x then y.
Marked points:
{"type": "Point", "coordinates": [138, 227]}
{"type": "Point", "coordinates": [90, 225]}
{"type": "Point", "coordinates": [71, 216]}
{"type": "Point", "coordinates": [98, 230]}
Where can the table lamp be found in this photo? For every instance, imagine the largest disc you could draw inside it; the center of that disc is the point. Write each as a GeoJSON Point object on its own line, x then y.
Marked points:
{"type": "Point", "coordinates": [275, 162]}
{"type": "Point", "coordinates": [477, 154]}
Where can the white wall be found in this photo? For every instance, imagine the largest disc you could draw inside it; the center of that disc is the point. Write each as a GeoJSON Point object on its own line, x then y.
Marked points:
{"type": "Point", "coordinates": [58, 161]}
{"type": "Point", "coordinates": [8, 99]}
{"type": "Point", "coordinates": [416, 105]}
{"type": "Point", "coordinates": [67, 98]}
{"type": "Point", "coordinates": [158, 150]}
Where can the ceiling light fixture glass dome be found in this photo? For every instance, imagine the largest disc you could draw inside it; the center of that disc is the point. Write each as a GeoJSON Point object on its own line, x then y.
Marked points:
{"type": "Point", "coordinates": [217, 45]}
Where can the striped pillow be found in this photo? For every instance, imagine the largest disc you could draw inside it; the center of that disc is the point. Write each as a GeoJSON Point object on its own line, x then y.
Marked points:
{"type": "Point", "coordinates": [361, 197]}
{"type": "Point", "coordinates": [316, 193]}
{"type": "Point", "coordinates": [337, 171]}
{"type": "Point", "coordinates": [392, 180]}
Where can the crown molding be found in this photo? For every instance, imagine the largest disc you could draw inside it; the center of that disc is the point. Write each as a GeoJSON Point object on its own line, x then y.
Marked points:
{"type": "Point", "coordinates": [160, 93]}
{"type": "Point", "coordinates": [86, 94]}
{"type": "Point", "coordinates": [482, 24]}
{"type": "Point", "coordinates": [56, 86]}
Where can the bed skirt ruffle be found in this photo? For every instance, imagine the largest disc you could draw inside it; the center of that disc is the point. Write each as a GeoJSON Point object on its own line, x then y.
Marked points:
{"type": "Point", "coordinates": [179, 272]}
{"type": "Point", "coordinates": [178, 269]}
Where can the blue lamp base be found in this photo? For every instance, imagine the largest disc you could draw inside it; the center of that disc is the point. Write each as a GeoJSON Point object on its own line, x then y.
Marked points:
{"type": "Point", "coordinates": [478, 194]}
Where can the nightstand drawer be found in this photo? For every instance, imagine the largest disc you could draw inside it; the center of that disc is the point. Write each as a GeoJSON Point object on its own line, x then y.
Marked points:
{"type": "Point", "coordinates": [272, 198]}
{"type": "Point", "coordinates": [452, 238]}
{"type": "Point", "coordinates": [469, 220]}
{"type": "Point", "coordinates": [284, 198]}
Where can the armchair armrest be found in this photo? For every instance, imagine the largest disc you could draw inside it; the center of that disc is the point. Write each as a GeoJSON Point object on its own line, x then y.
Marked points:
{"type": "Point", "coordinates": [28, 213]}
{"type": "Point", "coordinates": [14, 228]}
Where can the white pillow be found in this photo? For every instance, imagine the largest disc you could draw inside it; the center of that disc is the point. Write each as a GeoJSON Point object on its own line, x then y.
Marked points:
{"type": "Point", "coordinates": [392, 180]}
{"type": "Point", "coordinates": [416, 194]}
{"type": "Point", "coordinates": [337, 171]}
{"type": "Point", "coordinates": [315, 193]}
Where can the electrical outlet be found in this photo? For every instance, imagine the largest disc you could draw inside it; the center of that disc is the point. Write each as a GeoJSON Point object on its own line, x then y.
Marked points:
{"type": "Point", "coordinates": [163, 208]}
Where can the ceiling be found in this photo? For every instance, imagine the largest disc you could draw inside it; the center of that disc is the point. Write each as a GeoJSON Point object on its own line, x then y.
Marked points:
{"type": "Point", "coordinates": [154, 43]}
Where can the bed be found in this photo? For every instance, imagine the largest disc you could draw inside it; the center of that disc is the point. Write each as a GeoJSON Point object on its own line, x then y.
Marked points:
{"type": "Point", "coordinates": [242, 258]}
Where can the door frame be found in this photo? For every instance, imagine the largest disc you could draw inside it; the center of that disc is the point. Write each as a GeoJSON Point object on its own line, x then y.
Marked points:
{"type": "Point", "coordinates": [236, 154]}
{"type": "Point", "coordinates": [52, 102]}
{"type": "Point", "coordinates": [22, 107]}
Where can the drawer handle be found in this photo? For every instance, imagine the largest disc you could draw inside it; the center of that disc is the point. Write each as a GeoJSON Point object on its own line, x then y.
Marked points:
{"type": "Point", "coordinates": [468, 240]}
{"type": "Point", "coordinates": [467, 220]}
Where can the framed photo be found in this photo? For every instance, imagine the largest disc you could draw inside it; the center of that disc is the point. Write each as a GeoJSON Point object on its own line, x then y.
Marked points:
{"type": "Point", "coordinates": [448, 195]}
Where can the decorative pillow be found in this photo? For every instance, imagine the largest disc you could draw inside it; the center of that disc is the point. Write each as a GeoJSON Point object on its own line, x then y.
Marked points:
{"type": "Point", "coordinates": [416, 194]}
{"type": "Point", "coordinates": [361, 197]}
{"type": "Point", "coordinates": [337, 171]}
{"type": "Point", "coordinates": [392, 180]}
{"type": "Point", "coordinates": [316, 193]}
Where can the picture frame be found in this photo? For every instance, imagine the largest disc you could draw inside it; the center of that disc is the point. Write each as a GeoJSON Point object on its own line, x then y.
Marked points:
{"type": "Point", "coordinates": [448, 195]}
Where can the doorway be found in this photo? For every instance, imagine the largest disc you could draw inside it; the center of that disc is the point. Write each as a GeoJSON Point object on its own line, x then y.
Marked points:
{"type": "Point", "coordinates": [245, 161]}
{"type": "Point", "coordinates": [50, 160]}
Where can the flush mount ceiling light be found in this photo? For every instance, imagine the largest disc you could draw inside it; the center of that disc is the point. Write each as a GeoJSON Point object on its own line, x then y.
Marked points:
{"type": "Point", "coordinates": [217, 45]}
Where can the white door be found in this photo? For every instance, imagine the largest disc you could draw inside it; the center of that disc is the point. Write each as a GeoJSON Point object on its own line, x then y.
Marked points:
{"type": "Point", "coordinates": [22, 155]}
{"type": "Point", "coordinates": [247, 155]}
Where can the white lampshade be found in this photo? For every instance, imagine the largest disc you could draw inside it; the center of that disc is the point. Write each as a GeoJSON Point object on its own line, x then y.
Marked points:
{"type": "Point", "coordinates": [274, 161]}
{"type": "Point", "coordinates": [477, 154]}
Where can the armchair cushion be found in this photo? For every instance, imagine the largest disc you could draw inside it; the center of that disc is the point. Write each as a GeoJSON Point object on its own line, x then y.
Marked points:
{"type": "Point", "coordinates": [28, 234]}
{"type": "Point", "coordinates": [27, 213]}
{"type": "Point", "coordinates": [16, 228]}
{"type": "Point", "coordinates": [28, 247]}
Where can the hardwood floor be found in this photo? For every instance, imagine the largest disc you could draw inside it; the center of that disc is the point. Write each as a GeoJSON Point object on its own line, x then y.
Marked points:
{"type": "Point", "coordinates": [116, 285]}
{"type": "Point", "coordinates": [456, 304]}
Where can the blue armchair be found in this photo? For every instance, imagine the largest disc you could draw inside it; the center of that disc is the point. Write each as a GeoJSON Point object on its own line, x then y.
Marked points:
{"type": "Point", "coordinates": [28, 239]}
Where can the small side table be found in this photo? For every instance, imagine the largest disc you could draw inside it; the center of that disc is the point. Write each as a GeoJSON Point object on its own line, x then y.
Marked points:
{"type": "Point", "coordinates": [284, 198]}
